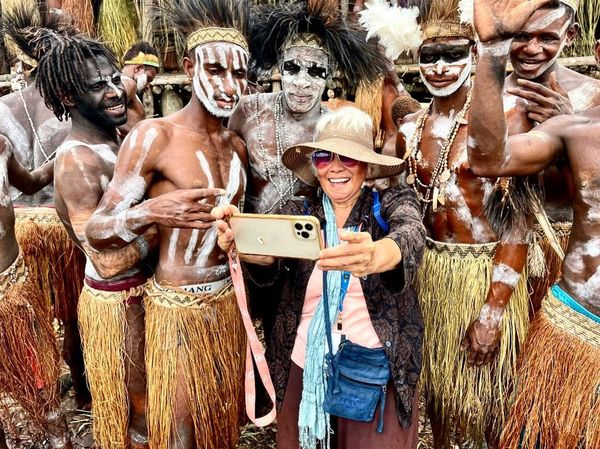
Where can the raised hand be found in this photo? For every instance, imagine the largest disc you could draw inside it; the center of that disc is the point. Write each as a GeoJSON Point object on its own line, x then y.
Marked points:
{"type": "Point", "coordinates": [502, 19]}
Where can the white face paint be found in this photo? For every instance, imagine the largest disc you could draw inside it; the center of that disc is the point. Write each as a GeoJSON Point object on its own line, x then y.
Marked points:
{"type": "Point", "coordinates": [460, 69]}
{"type": "Point", "coordinates": [141, 82]}
{"type": "Point", "coordinates": [540, 44]}
{"type": "Point", "coordinates": [220, 76]}
{"type": "Point", "coordinates": [304, 74]}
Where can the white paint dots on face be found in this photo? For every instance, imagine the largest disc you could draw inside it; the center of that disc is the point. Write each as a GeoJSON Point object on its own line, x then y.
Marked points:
{"type": "Point", "coordinates": [506, 275]}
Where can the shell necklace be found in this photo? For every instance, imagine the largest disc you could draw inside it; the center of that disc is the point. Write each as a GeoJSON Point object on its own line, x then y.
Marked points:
{"type": "Point", "coordinates": [435, 190]}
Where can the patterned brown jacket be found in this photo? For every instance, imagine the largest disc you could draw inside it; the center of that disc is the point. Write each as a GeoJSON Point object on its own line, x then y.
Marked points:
{"type": "Point", "coordinates": [391, 297]}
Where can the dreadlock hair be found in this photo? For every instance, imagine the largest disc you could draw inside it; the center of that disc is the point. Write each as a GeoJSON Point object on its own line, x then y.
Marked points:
{"type": "Point", "coordinates": [142, 46]}
{"type": "Point", "coordinates": [63, 69]}
{"type": "Point", "coordinates": [32, 28]}
{"type": "Point", "coordinates": [273, 25]}
{"type": "Point", "coordinates": [187, 16]}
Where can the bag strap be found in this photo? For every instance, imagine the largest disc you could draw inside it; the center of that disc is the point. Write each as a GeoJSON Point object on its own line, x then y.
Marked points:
{"type": "Point", "coordinates": [385, 227]}
{"type": "Point", "coordinates": [254, 350]}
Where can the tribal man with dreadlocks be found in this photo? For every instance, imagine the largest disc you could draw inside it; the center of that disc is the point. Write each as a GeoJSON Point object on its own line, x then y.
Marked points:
{"type": "Point", "coordinates": [473, 295]}
{"type": "Point", "coordinates": [79, 80]}
{"type": "Point", "coordinates": [35, 134]}
{"type": "Point", "coordinates": [183, 165]}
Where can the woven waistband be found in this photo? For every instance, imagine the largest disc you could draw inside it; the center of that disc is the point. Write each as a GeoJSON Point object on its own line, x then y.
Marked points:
{"type": "Point", "coordinates": [462, 250]}
{"type": "Point", "coordinates": [16, 272]}
{"type": "Point", "coordinates": [570, 321]}
{"type": "Point", "coordinates": [113, 297]}
{"type": "Point", "coordinates": [175, 297]}
{"type": "Point", "coordinates": [37, 214]}
{"type": "Point", "coordinates": [561, 228]}
{"type": "Point", "coordinates": [119, 285]}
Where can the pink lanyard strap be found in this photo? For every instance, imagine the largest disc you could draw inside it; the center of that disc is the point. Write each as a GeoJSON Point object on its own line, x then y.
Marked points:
{"type": "Point", "coordinates": [254, 350]}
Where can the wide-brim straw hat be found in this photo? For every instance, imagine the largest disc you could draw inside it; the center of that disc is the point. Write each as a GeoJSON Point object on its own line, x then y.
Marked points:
{"type": "Point", "coordinates": [357, 145]}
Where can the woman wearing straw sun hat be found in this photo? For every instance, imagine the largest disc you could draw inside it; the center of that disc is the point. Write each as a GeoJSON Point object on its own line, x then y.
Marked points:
{"type": "Point", "coordinates": [376, 308]}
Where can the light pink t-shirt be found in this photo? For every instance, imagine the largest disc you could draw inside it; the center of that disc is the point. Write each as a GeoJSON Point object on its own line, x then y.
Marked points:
{"type": "Point", "coordinates": [356, 322]}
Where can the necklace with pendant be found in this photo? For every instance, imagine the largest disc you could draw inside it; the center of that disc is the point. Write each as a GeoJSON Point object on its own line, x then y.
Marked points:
{"type": "Point", "coordinates": [435, 191]}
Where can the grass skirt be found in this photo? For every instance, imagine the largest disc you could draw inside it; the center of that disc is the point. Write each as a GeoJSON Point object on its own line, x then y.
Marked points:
{"type": "Point", "coordinates": [200, 338]}
{"type": "Point", "coordinates": [29, 358]}
{"type": "Point", "coordinates": [558, 400]}
{"type": "Point", "coordinates": [453, 282]}
{"type": "Point", "coordinates": [54, 261]}
{"type": "Point", "coordinates": [102, 323]}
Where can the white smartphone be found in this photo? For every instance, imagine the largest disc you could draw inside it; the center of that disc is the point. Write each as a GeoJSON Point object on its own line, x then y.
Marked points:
{"type": "Point", "coordinates": [295, 236]}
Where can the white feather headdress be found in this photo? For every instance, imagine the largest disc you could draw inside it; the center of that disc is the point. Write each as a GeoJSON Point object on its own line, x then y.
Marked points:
{"type": "Point", "coordinates": [397, 28]}
{"type": "Point", "coordinates": [466, 8]}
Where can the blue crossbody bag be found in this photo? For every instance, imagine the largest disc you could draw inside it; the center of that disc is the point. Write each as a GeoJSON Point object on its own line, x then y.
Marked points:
{"type": "Point", "coordinates": [357, 377]}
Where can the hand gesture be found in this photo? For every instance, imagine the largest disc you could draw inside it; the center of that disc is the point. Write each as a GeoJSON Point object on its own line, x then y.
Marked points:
{"type": "Point", "coordinates": [355, 254]}
{"type": "Point", "coordinates": [184, 208]}
{"type": "Point", "coordinates": [502, 19]}
{"type": "Point", "coordinates": [483, 336]}
{"type": "Point", "coordinates": [544, 102]}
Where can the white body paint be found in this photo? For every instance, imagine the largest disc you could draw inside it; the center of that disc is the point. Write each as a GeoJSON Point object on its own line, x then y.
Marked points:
{"type": "Point", "coordinates": [506, 275]}
{"type": "Point", "coordinates": [15, 133]}
{"type": "Point", "coordinates": [4, 185]}
{"type": "Point", "coordinates": [491, 316]}
{"type": "Point", "coordinates": [461, 68]}
{"type": "Point", "coordinates": [102, 150]}
{"type": "Point", "coordinates": [235, 179]}
{"type": "Point", "coordinates": [460, 207]}
{"type": "Point", "coordinates": [408, 130]}
{"type": "Point", "coordinates": [442, 125]}
{"type": "Point", "coordinates": [496, 49]}
{"type": "Point", "coordinates": [583, 97]}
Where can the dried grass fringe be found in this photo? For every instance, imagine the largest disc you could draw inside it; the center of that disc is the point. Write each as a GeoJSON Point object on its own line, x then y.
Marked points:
{"type": "Point", "coordinates": [82, 12]}
{"type": "Point", "coordinates": [538, 286]}
{"type": "Point", "coordinates": [102, 323]}
{"type": "Point", "coordinates": [205, 345]}
{"type": "Point", "coordinates": [559, 391]}
{"type": "Point", "coordinates": [29, 359]}
{"type": "Point", "coordinates": [369, 99]}
{"type": "Point", "coordinates": [54, 261]}
{"type": "Point", "coordinates": [452, 290]}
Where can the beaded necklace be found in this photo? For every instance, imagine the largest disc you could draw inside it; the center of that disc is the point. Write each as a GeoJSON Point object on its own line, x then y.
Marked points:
{"type": "Point", "coordinates": [435, 190]}
{"type": "Point", "coordinates": [278, 175]}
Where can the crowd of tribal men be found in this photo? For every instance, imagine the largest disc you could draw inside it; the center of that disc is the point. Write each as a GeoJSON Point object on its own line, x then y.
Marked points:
{"type": "Point", "coordinates": [123, 247]}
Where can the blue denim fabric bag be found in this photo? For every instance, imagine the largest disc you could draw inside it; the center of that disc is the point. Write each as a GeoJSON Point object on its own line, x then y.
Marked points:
{"type": "Point", "coordinates": [356, 378]}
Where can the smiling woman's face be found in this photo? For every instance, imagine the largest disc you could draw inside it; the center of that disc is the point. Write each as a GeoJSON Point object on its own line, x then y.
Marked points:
{"type": "Point", "coordinates": [341, 183]}
{"type": "Point", "coordinates": [304, 74]}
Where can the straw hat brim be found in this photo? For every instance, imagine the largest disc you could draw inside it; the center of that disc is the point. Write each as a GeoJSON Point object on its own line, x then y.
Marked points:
{"type": "Point", "coordinates": [298, 159]}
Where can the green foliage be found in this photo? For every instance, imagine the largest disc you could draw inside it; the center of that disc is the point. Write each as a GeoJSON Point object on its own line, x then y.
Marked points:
{"type": "Point", "coordinates": [587, 16]}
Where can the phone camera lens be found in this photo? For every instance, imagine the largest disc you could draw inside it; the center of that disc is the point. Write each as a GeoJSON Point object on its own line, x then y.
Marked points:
{"type": "Point", "coordinates": [305, 235]}
{"type": "Point", "coordinates": [298, 226]}
{"type": "Point", "coordinates": [308, 227]}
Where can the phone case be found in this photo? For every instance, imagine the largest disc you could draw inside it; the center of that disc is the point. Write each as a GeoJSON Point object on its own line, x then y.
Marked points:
{"type": "Point", "coordinates": [295, 236]}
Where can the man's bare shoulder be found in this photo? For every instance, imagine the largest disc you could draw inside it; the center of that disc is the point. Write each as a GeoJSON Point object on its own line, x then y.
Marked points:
{"type": "Point", "coordinates": [159, 127]}
{"type": "Point", "coordinates": [79, 155]}
{"type": "Point", "coordinates": [568, 126]}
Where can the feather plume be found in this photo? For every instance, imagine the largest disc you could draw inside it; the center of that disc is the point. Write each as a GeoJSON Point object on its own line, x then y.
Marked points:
{"type": "Point", "coordinates": [396, 28]}
{"type": "Point", "coordinates": [30, 27]}
{"type": "Point", "coordinates": [345, 42]}
{"type": "Point", "coordinates": [187, 16]}
{"type": "Point", "coordinates": [466, 8]}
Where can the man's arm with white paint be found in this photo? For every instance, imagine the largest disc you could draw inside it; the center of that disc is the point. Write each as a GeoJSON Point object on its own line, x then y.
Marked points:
{"type": "Point", "coordinates": [491, 152]}
{"type": "Point", "coordinates": [123, 215]}
{"type": "Point", "coordinates": [28, 182]}
{"type": "Point", "coordinates": [80, 189]}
